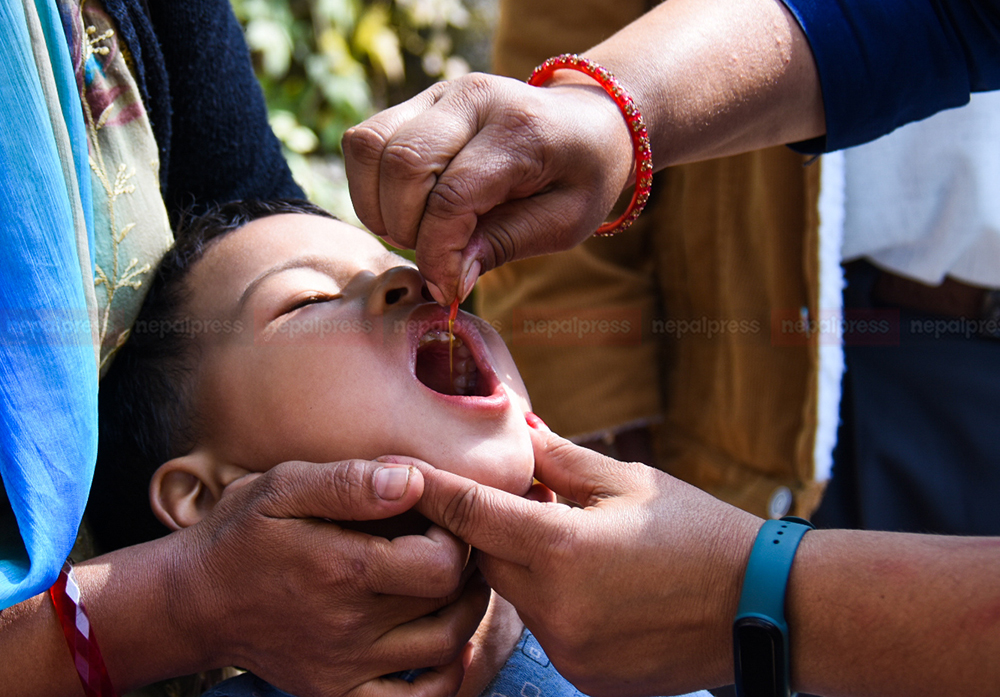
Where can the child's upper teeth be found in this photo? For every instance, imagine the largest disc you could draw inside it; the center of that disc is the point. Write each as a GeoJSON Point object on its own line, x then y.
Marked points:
{"type": "Point", "coordinates": [440, 335]}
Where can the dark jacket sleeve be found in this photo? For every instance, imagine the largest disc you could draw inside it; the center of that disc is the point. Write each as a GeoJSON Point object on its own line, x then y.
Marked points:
{"type": "Point", "coordinates": [221, 147]}
{"type": "Point", "coordinates": [885, 63]}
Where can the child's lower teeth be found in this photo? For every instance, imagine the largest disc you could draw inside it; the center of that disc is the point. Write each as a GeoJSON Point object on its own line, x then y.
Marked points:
{"type": "Point", "coordinates": [465, 384]}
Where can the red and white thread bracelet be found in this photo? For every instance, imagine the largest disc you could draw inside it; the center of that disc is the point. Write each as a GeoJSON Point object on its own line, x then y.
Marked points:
{"type": "Point", "coordinates": [72, 614]}
{"type": "Point", "coordinates": [637, 129]}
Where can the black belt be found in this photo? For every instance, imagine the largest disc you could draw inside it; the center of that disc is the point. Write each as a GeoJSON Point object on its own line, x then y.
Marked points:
{"type": "Point", "coordinates": [952, 298]}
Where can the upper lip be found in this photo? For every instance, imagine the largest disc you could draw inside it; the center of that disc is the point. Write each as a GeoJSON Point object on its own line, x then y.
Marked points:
{"type": "Point", "coordinates": [432, 317]}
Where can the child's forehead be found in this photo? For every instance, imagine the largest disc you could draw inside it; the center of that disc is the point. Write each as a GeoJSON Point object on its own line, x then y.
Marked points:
{"type": "Point", "coordinates": [277, 238]}
{"type": "Point", "coordinates": [266, 245]}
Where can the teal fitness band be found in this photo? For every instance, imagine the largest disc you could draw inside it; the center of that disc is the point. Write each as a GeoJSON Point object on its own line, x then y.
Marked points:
{"type": "Point", "coordinates": [760, 633]}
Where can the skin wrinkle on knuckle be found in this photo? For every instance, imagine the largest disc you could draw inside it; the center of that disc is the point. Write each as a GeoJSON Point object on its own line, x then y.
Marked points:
{"type": "Point", "coordinates": [525, 142]}
{"type": "Point", "coordinates": [448, 199]}
{"type": "Point", "coordinates": [460, 509]}
{"type": "Point", "coordinates": [346, 481]}
{"type": "Point", "coordinates": [502, 245]}
{"type": "Point", "coordinates": [274, 488]}
{"type": "Point", "coordinates": [407, 161]}
{"type": "Point", "coordinates": [365, 144]}
{"type": "Point", "coordinates": [475, 92]}
{"type": "Point", "coordinates": [558, 548]}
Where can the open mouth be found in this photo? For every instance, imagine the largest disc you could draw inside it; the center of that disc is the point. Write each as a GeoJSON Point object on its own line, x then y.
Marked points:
{"type": "Point", "coordinates": [455, 375]}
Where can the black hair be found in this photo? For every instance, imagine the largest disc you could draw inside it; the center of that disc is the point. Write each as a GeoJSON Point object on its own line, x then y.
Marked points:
{"type": "Point", "coordinates": [146, 416]}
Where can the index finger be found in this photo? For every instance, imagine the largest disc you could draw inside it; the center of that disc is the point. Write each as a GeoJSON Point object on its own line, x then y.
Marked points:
{"type": "Point", "coordinates": [502, 525]}
{"type": "Point", "coordinates": [364, 148]}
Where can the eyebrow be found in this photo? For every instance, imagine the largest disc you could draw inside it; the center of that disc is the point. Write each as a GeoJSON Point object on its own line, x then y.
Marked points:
{"type": "Point", "coordinates": [320, 264]}
{"type": "Point", "coordinates": [315, 263]}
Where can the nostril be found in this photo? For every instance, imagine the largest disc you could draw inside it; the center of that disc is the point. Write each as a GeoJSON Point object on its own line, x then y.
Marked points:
{"type": "Point", "coordinates": [394, 295]}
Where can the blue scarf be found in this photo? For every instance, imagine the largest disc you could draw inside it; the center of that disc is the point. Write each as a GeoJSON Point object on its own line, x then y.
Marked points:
{"type": "Point", "coordinates": [48, 371]}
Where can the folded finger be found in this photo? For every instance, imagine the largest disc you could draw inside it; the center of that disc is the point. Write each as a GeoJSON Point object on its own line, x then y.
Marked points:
{"type": "Point", "coordinates": [364, 146]}
{"type": "Point", "coordinates": [437, 638]}
{"type": "Point", "coordinates": [432, 565]}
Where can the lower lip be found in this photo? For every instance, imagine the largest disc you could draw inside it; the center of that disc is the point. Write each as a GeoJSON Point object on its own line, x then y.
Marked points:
{"type": "Point", "coordinates": [494, 403]}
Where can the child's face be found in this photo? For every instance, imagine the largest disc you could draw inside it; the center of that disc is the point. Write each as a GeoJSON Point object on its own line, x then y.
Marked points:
{"type": "Point", "coordinates": [335, 332]}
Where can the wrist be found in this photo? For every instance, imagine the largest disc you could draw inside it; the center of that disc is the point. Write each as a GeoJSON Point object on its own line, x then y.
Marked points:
{"type": "Point", "coordinates": [734, 542]}
{"type": "Point", "coordinates": [616, 91]}
{"type": "Point", "coordinates": [761, 637]}
{"type": "Point", "coordinates": [193, 612]}
{"type": "Point", "coordinates": [144, 619]}
{"type": "Point", "coordinates": [614, 149]}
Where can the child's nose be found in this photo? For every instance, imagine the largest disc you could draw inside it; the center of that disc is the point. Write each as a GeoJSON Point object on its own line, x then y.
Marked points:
{"type": "Point", "coordinates": [398, 285]}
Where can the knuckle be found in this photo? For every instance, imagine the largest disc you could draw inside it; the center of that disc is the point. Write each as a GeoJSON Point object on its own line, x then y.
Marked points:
{"type": "Point", "coordinates": [459, 511]}
{"type": "Point", "coordinates": [406, 160]}
{"type": "Point", "coordinates": [502, 245]}
{"type": "Point", "coordinates": [449, 198]}
{"type": "Point", "coordinates": [354, 623]}
{"type": "Point", "coordinates": [522, 130]}
{"type": "Point", "coordinates": [347, 481]}
{"type": "Point", "coordinates": [476, 87]}
{"type": "Point", "coordinates": [274, 485]}
{"type": "Point", "coordinates": [364, 144]}
{"type": "Point", "coordinates": [560, 545]}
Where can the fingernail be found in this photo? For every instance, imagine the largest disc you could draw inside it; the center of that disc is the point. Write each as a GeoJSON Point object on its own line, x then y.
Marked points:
{"type": "Point", "coordinates": [436, 294]}
{"type": "Point", "coordinates": [470, 277]}
{"type": "Point", "coordinates": [388, 241]}
{"type": "Point", "coordinates": [391, 481]}
{"type": "Point", "coordinates": [467, 655]}
{"type": "Point", "coordinates": [536, 423]}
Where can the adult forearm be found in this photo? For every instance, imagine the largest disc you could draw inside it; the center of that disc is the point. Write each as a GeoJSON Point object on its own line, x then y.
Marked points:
{"type": "Point", "coordinates": [895, 614]}
{"type": "Point", "coordinates": [35, 657]}
{"type": "Point", "coordinates": [129, 613]}
{"type": "Point", "coordinates": [717, 77]}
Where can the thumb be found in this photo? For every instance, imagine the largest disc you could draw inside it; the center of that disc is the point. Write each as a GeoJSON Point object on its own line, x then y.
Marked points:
{"type": "Point", "coordinates": [348, 490]}
{"type": "Point", "coordinates": [577, 473]}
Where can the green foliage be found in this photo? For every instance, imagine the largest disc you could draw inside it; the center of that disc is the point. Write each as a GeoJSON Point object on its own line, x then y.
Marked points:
{"type": "Point", "coordinates": [325, 65]}
{"type": "Point", "coordinates": [328, 64]}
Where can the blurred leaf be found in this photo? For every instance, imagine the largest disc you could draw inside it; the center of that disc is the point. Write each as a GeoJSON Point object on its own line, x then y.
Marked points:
{"type": "Point", "coordinates": [325, 65]}
{"type": "Point", "coordinates": [342, 14]}
{"type": "Point", "coordinates": [379, 42]}
{"type": "Point", "coordinates": [272, 42]}
{"type": "Point", "coordinates": [294, 135]}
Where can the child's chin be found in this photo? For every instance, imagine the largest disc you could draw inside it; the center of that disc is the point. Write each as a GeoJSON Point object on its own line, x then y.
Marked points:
{"type": "Point", "coordinates": [409, 523]}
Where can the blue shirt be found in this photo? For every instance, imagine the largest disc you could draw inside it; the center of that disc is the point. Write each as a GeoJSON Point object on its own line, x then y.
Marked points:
{"type": "Point", "coordinates": [527, 673]}
{"type": "Point", "coordinates": [885, 63]}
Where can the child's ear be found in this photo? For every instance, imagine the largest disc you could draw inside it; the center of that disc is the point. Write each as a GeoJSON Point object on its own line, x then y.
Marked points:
{"type": "Point", "coordinates": [186, 489]}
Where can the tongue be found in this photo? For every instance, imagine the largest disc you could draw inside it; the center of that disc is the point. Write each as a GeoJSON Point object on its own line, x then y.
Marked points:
{"type": "Point", "coordinates": [432, 367]}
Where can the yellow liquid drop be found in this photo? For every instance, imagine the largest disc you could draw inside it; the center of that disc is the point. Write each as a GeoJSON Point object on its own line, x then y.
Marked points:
{"type": "Point", "coordinates": [451, 338]}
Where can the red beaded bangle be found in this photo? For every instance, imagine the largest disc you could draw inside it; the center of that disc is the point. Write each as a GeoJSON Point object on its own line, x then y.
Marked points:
{"type": "Point", "coordinates": [83, 648]}
{"type": "Point", "coordinates": [640, 137]}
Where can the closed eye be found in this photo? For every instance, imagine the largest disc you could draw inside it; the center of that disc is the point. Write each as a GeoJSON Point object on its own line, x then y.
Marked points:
{"type": "Point", "coordinates": [311, 300]}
